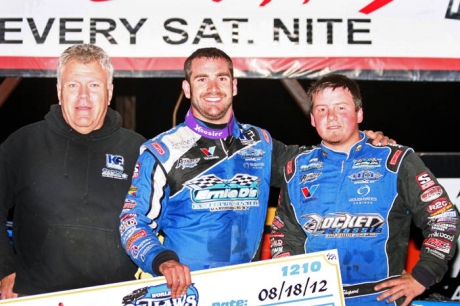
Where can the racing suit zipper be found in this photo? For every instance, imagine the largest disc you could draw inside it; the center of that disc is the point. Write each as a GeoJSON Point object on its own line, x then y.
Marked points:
{"type": "Point", "coordinates": [225, 148]}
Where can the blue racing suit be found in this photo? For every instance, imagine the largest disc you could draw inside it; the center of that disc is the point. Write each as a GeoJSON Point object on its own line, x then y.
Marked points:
{"type": "Point", "coordinates": [362, 204]}
{"type": "Point", "coordinates": [207, 197]}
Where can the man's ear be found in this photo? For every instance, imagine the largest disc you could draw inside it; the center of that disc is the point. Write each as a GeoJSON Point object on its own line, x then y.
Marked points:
{"type": "Point", "coordinates": [312, 120]}
{"type": "Point", "coordinates": [186, 88]}
{"type": "Point", "coordinates": [110, 89]}
{"type": "Point", "coordinates": [58, 89]}
{"type": "Point", "coordinates": [235, 87]}
{"type": "Point", "coordinates": [360, 115]}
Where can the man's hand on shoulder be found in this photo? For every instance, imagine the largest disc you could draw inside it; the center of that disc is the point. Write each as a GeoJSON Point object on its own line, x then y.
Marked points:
{"type": "Point", "coordinates": [378, 139]}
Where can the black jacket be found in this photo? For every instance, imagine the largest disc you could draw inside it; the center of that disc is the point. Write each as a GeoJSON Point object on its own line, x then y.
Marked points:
{"type": "Point", "coordinates": [67, 190]}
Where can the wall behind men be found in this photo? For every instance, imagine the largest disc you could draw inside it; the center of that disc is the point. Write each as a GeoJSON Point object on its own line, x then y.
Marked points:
{"type": "Point", "coordinates": [424, 115]}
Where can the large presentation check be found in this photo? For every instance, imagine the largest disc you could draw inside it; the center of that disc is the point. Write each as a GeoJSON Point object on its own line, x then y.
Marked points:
{"type": "Point", "coordinates": [310, 279]}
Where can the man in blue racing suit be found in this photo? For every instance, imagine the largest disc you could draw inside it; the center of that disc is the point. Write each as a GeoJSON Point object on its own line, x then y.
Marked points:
{"type": "Point", "coordinates": [204, 184]}
{"type": "Point", "coordinates": [350, 195]}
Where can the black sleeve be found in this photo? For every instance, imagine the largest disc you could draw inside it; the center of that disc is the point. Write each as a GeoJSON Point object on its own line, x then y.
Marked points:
{"type": "Point", "coordinates": [161, 258]}
{"type": "Point", "coordinates": [434, 213]}
{"type": "Point", "coordinates": [280, 156]}
{"type": "Point", "coordinates": [287, 237]}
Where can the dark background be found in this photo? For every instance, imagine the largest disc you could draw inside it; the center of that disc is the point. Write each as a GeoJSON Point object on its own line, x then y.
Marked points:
{"type": "Point", "coordinates": [423, 115]}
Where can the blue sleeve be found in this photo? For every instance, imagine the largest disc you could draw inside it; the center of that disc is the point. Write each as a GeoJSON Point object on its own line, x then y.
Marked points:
{"type": "Point", "coordinates": [140, 219]}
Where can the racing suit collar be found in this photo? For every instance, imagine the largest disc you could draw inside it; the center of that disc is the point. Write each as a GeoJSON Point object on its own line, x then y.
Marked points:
{"type": "Point", "coordinates": [200, 128]}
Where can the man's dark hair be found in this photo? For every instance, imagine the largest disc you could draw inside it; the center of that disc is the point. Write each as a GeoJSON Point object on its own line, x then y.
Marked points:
{"type": "Point", "coordinates": [213, 53]}
{"type": "Point", "coordinates": [334, 81]}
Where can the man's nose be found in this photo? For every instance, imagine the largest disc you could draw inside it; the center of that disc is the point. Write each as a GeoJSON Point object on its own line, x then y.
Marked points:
{"type": "Point", "coordinates": [83, 91]}
{"type": "Point", "coordinates": [212, 86]}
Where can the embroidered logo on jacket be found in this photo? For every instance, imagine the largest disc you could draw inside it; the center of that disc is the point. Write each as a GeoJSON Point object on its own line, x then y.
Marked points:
{"type": "Point", "coordinates": [187, 163]}
{"type": "Point", "coordinates": [209, 153]}
{"type": "Point", "coordinates": [314, 163]}
{"type": "Point", "coordinates": [252, 154]}
{"type": "Point", "coordinates": [308, 192]}
{"type": "Point", "coordinates": [114, 167]}
{"type": "Point", "coordinates": [342, 224]}
{"type": "Point", "coordinates": [365, 176]}
{"type": "Point", "coordinates": [424, 180]}
{"type": "Point", "coordinates": [213, 193]}
{"type": "Point", "coordinates": [367, 162]}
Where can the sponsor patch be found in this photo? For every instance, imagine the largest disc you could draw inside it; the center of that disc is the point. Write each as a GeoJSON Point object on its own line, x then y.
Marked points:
{"type": "Point", "coordinates": [442, 235]}
{"type": "Point", "coordinates": [158, 148]}
{"type": "Point", "coordinates": [187, 163]}
{"type": "Point", "coordinates": [134, 238]}
{"type": "Point", "coordinates": [343, 225]}
{"type": "Point", "coordinates": [394, 159]}
{"type": "Point", "coordinates": [132, 191]}
{"type": "Point", "coordinates": [309, 177]}
{"type": "Point", "coordinates": [439, 206]}
{"type": "Point", "coordinates": [129, 204]}
{"type": "Point", "coordinates": [424, 180]}
{"type": "Point", "coordinates": [114, 162]}
{"type": "Point", "coordinates": [438, 244]}
{"type": "Point", "coordinates": [115, 174]}
{"type": "Point", "coordinates": [314, 163]}
{"type": "Point", "coordinates": [431, 194]}
{"type": "Point", "coordinates": [252, 154]}
{"type": "Point", "coordinates": [127, 223]}
{"type": "Point", "coordinates": [365, 176]}
{"type": "Point", "coordinates": [213, 193]}
{"type": "Point", "coordinates": [277, 222]}
{"type": "Point", "coordinates": [309, 191]}
{"type": "Point", "coordinates": [280, 255]}
{"type": "Point", "coordinates": [289, 167]}
{"type": "Point", "coordinates": [276, 243]}
{"type": "Point", "coordinates": [265, 134]}
{"type": "Point", "coordinates": [137, 168]}
{"type": "Point", "coordinates": [253, 165]}
{"type": "Point", "coordinates": [209, 153]}
{"type": "Point", "coordinates": [247, 138]}
{"type": "Point", "coordinates": [436, 253]}
{"type": "Point", "coordinates": [274, 235]}
{"type": "Point", "coordinates": [367, 163]}
{"type": "Point", "coordinates": [183, 144]}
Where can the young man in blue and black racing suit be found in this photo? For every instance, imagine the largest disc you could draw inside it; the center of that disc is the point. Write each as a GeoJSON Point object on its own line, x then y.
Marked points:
{"type": "Point", "coordinates": [350, 195]}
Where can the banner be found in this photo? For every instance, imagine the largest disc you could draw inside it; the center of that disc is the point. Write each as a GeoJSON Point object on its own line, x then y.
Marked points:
{"type": "Point", "coordinates": [311, 279]}
{"type": "Point", "coordinates": [416, 40]}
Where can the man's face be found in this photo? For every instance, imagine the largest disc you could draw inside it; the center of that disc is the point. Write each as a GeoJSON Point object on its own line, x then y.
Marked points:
{"type": "Point", "coordinates": [336, 119]}
{"type": "Point", "coordinates": [84, 95]}
{"type": "Point", "coordinates": [211, 90]}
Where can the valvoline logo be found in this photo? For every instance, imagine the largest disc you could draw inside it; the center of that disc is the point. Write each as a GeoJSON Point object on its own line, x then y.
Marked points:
{"type": "Point", "coordinates": [371, 7]}
{"type": "Point", "coordinates": [160, 295]}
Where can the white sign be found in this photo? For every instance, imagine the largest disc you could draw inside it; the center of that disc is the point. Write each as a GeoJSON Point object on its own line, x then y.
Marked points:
{"type": "Point", "coordinates": [296, 38]}
{"type": "Point", "coordinates": [310, 279]}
